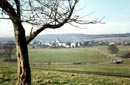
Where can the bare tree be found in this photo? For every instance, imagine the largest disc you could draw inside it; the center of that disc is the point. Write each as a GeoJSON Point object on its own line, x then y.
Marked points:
{"type": "Point", "coordinates": [113, 49]}
{"type": "Point", "coordinates": [43, 13]}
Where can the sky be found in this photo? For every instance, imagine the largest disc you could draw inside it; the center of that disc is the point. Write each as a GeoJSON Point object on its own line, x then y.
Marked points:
{"type": "Point", "coordinates": [116, 13]}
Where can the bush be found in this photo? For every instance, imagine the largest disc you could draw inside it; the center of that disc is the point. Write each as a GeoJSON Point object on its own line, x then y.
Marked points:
{"type": "Point", "coordinates": [127, 55]}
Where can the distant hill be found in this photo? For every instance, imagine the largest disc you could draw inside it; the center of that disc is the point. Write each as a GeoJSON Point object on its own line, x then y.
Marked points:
{"type": "Point", "coordinates": [6, 39]}
{"type": "Point", "coordinates": [75, 37]}
{"type": "Point", "coordinates": [79, 37]}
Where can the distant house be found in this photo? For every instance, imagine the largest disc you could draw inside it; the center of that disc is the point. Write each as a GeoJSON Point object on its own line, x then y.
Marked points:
{"type": "Point", "coordinates": [46, 45]}
{"type": "Point", "coordinates": [112, 43]}
{"type": "Point", "coordinates": [36, 44]}
{"type": "Point", "coordinates": [126, 43]}
{"type": "Point", "coordinates": [73, 45]}
{"type": "Point", "coordinates": [68, 44]}
{"type": "Point", "coordinates": [58, 43]}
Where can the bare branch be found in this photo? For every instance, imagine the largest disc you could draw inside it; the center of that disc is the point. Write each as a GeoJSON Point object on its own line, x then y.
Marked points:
{"type": "Point", "coordinates": [76, 26]}
{"type": "Point", "coordinates": [31, 31]}
{"type": "Point", "coordinates": [45, 13]}
{"type": "Point", "coordinates": [18, 8]}
{"type": "Point", "coordinates": [81, 17]}
{"type": "Point", "coordinates": [48, 25]}
{"type": "Point", "coordinates": [8, 8]}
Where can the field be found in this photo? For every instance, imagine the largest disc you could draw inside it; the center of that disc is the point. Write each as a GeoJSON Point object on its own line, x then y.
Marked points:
{"type": "Point", "coordinates": [71, 66]}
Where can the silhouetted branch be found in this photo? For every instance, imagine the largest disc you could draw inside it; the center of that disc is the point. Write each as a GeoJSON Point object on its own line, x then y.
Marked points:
{"type": "Point", "coordinates": [44, 13]}
{"type": "Point", "coordinates": [55, 25]}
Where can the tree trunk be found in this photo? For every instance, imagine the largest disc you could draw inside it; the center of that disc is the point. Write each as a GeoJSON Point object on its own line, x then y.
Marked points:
{"type": "Point", "coordinates": [24, 73]}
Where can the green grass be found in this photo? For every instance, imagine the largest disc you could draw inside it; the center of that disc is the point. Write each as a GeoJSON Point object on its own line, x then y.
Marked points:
{"type": "Point", "coordinates": [65, 55]}
{"type": "Point", "coordinates": [49, 77]}
{"type": "Point", "coordinates": [61, 71]}
{"type": "Point", "coordinates": [65, 78]}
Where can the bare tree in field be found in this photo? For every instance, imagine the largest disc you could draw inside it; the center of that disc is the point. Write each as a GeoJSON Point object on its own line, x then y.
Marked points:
{"type": "Point", "coordinates": [44, 13]}
{"type": "Point", "coordinates": [113, 49]}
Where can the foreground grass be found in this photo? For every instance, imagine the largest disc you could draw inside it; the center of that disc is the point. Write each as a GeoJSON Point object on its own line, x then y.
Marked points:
{"type": "Point", "coordinates": [48, 77]}
{"type": "Point", "coordinates": [65, 78]}
{"type": "Point", "coordinates": [102, 74]}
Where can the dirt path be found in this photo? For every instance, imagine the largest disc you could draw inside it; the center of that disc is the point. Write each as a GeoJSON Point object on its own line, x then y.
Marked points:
{"type": "Point", "coordinates": [115, 59]}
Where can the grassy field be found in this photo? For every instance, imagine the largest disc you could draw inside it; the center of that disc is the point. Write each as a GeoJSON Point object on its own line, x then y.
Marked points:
{"type": "Point", "coordinates": [75, 66]}
{"type": "Point", "coordinates": [65, 55]}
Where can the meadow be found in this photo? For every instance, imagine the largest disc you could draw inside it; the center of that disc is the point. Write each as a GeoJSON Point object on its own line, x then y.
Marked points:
{"type": "Point", "coordinates": [71, 66]}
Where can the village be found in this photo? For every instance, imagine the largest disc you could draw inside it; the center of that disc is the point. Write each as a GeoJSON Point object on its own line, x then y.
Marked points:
{"type": "Point", "coordinates": [57, 43]}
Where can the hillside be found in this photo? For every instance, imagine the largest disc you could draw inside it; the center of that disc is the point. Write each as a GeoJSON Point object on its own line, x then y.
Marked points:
{"type": "Point", "coordinates": [79, 37]}
{"type": "Point", "coordinates": [75, 37]}
{"type": "Point", "coordinates": [6, 39]}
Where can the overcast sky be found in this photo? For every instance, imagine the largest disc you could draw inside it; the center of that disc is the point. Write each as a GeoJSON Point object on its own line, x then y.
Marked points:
{"type": "Point", "coordinates": [116, 12]}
